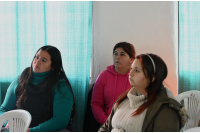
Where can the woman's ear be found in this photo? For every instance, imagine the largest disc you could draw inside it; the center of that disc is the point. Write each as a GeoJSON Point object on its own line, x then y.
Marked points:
{"type": "Point", "coordinates": [154, 77]}
{"type": "Point", "coordinates": [131, 60]}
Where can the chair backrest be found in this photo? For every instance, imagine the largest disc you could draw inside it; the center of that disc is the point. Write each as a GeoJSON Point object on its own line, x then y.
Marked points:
{"type": "Point", "coordinates": [19, 120]}
{"type": "Point", "coordinates": [194, 129]}
{"type": "Point", "coordinates": [191, 103]}
{"type": "Point", "coordinates": [90, 123]}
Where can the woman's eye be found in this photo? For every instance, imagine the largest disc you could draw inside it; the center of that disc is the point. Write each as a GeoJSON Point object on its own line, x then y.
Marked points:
{"type": "Point", "coordinates": [137, 71]}
{"type": "Point", "coordinates": [44, 60]}
{"type": "Point", "coordinates": [36, 57]}
{"type": "Point", "coordinates": [115, 54]}
{"type": "Point", "coordinates": [122, 54]}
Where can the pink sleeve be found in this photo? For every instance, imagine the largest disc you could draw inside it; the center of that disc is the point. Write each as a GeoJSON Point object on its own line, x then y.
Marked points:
{"type": "Point", "coordinates": [97, 102]}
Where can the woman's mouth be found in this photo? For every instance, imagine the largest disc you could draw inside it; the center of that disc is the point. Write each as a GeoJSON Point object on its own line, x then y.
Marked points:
{"type": "Point", "coordinates": [36, 66]}
{"type": "Point", "coordinates": [130, 79]}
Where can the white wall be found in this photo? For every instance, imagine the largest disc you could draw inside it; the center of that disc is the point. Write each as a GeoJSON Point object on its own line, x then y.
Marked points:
{"type": "Point", "coordinates": [152, 27]}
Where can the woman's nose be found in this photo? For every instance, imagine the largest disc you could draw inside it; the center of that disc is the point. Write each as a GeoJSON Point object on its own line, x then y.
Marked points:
{"type": "Point", "coordinates": [38, 62]}
{"type": "Point", "coordinates": [131, 73]}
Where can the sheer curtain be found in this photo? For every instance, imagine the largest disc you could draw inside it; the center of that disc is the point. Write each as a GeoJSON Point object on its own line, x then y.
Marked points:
{"type": "Point", "coordinates": [26, 26]}
{"type": "Point", "coordinates": [189, 45]}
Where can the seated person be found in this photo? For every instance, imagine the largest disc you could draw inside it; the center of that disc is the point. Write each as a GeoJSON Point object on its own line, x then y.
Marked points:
{"type": "Point", "coordinates": [147, 106]}
{"type": "Point", "coordinates": [44, 91]}
{"type": "Point", "coordinates": [112, 82]}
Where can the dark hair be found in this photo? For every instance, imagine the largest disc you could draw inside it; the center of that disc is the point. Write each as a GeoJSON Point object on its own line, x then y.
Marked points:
{"type": "Point", "coordinates": [127, 47]}
{"type": "Point", "coordinates": [56, 73]}
{"type": "Point", "coordinates": [154, 87]}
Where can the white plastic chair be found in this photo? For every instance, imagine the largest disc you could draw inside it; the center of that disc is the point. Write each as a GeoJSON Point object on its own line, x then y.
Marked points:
{"type": "Point", "coordinates": [191, 101]}
{"type": "Point", "coordinates": [19, 120]}
{"type": "Point", "coordinates": [194, 129]}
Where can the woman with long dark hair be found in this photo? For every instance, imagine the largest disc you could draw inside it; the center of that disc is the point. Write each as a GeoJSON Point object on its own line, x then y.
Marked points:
{"type": "Point", "coordinates": [147, 105]}
{"type": "Point", "coordinates": [44, 90]}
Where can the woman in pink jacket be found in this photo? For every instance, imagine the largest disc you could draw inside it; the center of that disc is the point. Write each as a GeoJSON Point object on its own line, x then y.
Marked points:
{"type": "Point", "coordinates": [112, 82]}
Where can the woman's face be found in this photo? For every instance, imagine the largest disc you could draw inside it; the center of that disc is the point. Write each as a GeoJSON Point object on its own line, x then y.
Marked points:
{"type": "Point", "coordinates": [137, 78]}
{"type": "Point", "coordinates": [41, 62]}
{"type": "Point", "coordinates": [121, 59]}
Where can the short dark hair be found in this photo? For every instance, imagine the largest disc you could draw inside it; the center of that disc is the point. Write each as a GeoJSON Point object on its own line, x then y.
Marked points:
{"type": "Point", "coordinates": [127, 47]}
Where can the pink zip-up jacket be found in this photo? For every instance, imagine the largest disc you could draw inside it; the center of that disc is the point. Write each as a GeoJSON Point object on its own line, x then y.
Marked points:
{"type": "Point", "coordinates": [108, 87]}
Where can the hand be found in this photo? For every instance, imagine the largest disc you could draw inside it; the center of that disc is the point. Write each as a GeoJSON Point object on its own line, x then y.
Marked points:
{"type": "Point", "coordinates": [7, 125]}
{"type": "Point", "coordinates": [28, 130]}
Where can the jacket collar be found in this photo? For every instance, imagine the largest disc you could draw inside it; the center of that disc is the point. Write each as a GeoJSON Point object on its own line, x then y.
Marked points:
{"type": "Point", "coordinates": [153, 108]}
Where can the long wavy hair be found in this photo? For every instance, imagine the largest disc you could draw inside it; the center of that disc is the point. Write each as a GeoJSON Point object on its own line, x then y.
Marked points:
{"type": "Point", "coordinates": [56, 73]}
{"type": "Point", "coordinates": [155, 86]}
